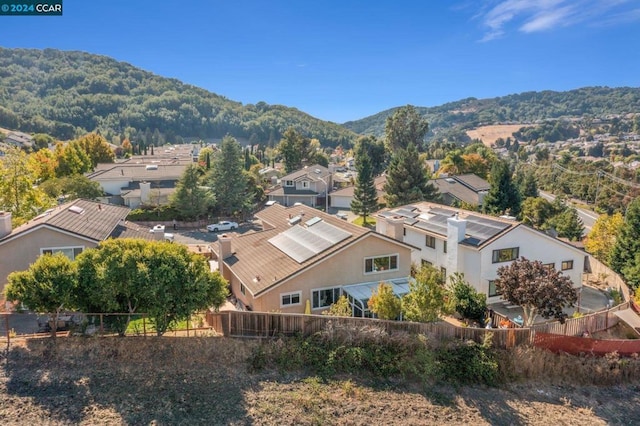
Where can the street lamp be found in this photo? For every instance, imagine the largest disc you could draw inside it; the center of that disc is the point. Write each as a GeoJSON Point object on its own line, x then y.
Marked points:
{"type": "Point", "coordinates": [326, 194]}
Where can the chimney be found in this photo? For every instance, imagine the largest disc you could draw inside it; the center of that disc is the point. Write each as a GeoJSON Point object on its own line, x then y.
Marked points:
{"type": "Point", "coordinates": [456, 229]}
{"type": "Point", "coordinates": [5, 224]}
{"type": "Point", "coordinates": [395, 228]}
{"type": "Point", "coordinates": [145, 192]}
{"type": "Point", "coordinates": [224, 251]}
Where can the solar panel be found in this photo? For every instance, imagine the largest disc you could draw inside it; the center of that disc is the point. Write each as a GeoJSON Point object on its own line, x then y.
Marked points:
{"type": "Point", "coordinates": [407, 213]}
{"type": "Point", "coordinates": [303, 242]}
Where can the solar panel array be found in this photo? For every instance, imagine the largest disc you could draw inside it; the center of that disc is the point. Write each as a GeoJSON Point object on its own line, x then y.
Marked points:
{"type": "Point", "coordinates": [303, 242]}
{"type": "Point", "coordinates": [478, 229]}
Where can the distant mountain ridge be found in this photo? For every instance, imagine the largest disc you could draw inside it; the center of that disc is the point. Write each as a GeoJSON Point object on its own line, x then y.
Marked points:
{"type": "Point", "coordinates": [527, 107]}
{"type": "Point", "coordinates": [64, 93]}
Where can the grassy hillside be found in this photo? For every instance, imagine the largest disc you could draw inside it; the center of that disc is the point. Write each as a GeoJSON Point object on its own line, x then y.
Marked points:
{"type": "Point", "coordinates": [207, 381]}
{"type": "Point", "coordinates": [65, 93]}
{"type": "Point", "coordinates": [527, 107]}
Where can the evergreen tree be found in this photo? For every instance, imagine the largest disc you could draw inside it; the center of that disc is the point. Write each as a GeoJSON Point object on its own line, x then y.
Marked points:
{"type": "Point", "coordinates": [528, 185]}
{"type": "Point", "coordinates": [503, 196]}
{"type": "Point", "coordinates": [290, 150]}
{"type": "Point", "coordinates": [406, 126]}
{"type": "Point", "coordinates": [247, 159]}
{"type": "Point", "coordinates": [190, 200]}
{"type": "Point", "coordinates": [365, 196]}
{"type": "Point", "coordinates": [408, 179]}
{"type": "Point", "coordinates": [376, 150]}
{"type": "Point", "coordinates": [627, 245]}
{"type": "Point", "coordinates": [568, 224]}
{"type": "Point", "coordinates": [228, 180]}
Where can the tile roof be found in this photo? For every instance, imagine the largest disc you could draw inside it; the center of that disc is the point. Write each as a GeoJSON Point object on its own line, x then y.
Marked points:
{"type": "Point", "coordinates": [348, 191]}
{"type": "Point", "coordinates": [139, 172]}
{"type": "Point", "coordinates": [132, 230]}
{"type": "Point", "coordinates": [88, 219]}
{"type": "Point", "coordinates": [474, 182]}
{"type": "Point", "coordinates": [309, 171]}
{"type": "Point", "coordinates": [455, 189]}
{"type": "Point", "coordinates": [260, 265]}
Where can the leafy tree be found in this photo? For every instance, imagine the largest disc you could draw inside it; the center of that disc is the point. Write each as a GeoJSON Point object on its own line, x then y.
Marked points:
{"type": "Point", "coordinates": [468, 302]}
{"type": "Point", "coordinates": [384, 303]}
{"type": "Point", "coordinates": [17, 191]}
{"type": "Point", "coordinates": [536, 211]}
{"type": "Point", "coordinates": [340, 308]}
{"type": "Point", "coordinates": [72, 187]}
{"type": "Point", "coordinates": [228, 179]}
{"type": "Point", "coordinates": [405, 127]}
{"type": "Point", "coordinates": [365, 195]}
{"type": "Point", "coordinates": [72, 159]}
{"type": "Point", "coordinates": [536, 288]}
{"type": "Point", "coordinates": [47, 286]}
{"type": "Point", "coordinates": [190, 199]}
{"type": "Point", "coordinates": [43, 163]}
{"type": "Point", "coordinates": [162, 279]}
{"type": "Point", "coordinates": [631, 273]}
{"type": "Point", "coordinates": [568, 224]}
{"type": "Point", "coordinates": [602, 238]}
{"type": "Point", "coordinates": [291, 148]}
{"type": "Point", "coordinates": [428, 298]}
{"type": "Point", "coordinates": [627, 243]}
{"type": "Point", "coordinates": [97, 149]}
{"type": "Point", "coordinates": [376, 150]}
{"type": "Point", "coordinates": [527, 185]}
{"type": "Point", "coordinates": [127, 147]}
{"type": "Point", "coordinates": [503, 196]}
{"type": "Point", "coordinates": [42, 140]}
{"type": "Point", "coordinates": [408, 179]}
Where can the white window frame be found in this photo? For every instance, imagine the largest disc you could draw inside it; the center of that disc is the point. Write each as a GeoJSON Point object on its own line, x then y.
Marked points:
{"type": "Point", "coordinates": [314, 290]}
{"type": "Point", "coordinates": [305, 184]}
{"type": "Point", "coordinates": [373, 271]}
{"type": "Point", "coordinates": [54, 250]}
{"type": "Point", "coordinates": [290, 296]}
{"type": "Point", "coordinates": [289, 183]}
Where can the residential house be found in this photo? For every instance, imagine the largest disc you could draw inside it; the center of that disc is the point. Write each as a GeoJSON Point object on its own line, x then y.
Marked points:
{"type": "Point", "coordinates": [302, 255]}
{"type": "Point", "coordinates": [19, 139]}
{"type": "Point", "coordinates": [341, 199]}
{"type": "Point", "coordinates": [135, 184]}
{"type": "Point", "coordinates": [309, 186]}
{"type": "Point", "coordinates": [69, 228]}
{"type": "Point", "coordinates": [455, 240]}
{"type": "Point", "coordinates": [468, 188]}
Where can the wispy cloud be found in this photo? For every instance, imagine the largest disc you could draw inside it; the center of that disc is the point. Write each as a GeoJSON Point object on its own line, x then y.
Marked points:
{"type": "Point", "coordinates": [501, 17]}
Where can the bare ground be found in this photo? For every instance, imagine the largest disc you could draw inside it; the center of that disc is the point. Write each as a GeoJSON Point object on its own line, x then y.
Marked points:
{"type": "Point", "coordinates": [489, 134]}
{"type": "Point", "coordinates": [205, 381]}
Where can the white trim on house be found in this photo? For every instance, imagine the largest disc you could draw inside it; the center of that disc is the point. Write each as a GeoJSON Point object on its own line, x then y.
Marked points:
{"type": "Point", "coordinates": [52, 228]}
{"type": "Point", "coordinates": [381, 271]}
{"type": "Point", "coordinates": [54, 250]}
{"type": "Point", "coordinates": [290, 295]}
{"type": "Point", "coordinates": [333, 288]}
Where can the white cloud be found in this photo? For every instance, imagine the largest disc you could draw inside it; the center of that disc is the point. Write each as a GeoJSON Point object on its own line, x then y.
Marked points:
{"type": "Point", "coordinates": [500, 17]}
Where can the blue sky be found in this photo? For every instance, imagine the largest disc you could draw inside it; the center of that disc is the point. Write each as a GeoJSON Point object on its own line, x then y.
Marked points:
{"type": "Point", "coordinates": [345, 60]}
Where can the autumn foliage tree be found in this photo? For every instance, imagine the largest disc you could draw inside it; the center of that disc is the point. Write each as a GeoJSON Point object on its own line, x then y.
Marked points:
{"type": "Point", "coordinates": [384, 303]}
{"type": "Point", "coordinates": [602, 237]}
{"type": "Point", "coordinates": [428, 298]}
{"type": "Point", "coordinates": [537, 288]}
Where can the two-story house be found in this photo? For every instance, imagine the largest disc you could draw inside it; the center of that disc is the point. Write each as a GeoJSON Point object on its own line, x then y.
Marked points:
{"type": "Point", "coordinates": [455, 240]}
{"type": "Point", "coordinates": [309, 186]}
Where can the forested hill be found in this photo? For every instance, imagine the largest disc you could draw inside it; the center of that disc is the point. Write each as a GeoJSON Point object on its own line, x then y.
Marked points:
{"type": "Point", "coordinates": [65, 93]}
{"type": "Point", "coordinates": [525, 107]}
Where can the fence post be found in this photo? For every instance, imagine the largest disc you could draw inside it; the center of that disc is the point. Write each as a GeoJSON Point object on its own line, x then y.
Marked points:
{"type": "Point", "coordinates": [6, 322]}
{"type": "Point", "coordinates": [101, 326]}
{"type": "Point", "coordinates": [144, 325]}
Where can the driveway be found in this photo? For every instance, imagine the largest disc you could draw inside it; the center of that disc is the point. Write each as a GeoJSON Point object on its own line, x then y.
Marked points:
{"type": "Point", "coordinates": [202, 236]}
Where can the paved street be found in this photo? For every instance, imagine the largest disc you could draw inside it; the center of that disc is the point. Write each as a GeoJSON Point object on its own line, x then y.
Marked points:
{"type": "Point", "coordinates": [588, 217]}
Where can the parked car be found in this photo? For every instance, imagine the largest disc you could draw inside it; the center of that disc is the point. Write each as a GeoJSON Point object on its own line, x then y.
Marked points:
{"type": "Point", "coordinates": [224, 225]}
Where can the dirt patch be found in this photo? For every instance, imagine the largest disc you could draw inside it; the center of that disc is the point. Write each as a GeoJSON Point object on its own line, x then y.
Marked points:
{"type": "Point", "coordinates": [205, 381]}
{"type": "Point", "coordinates": [489, 134]}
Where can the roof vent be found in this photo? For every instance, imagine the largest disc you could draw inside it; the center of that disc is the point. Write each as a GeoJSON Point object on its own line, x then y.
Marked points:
{"type": "Point", "coordinates": [76, 209]}
{"type": "Point", "coordinates": [152, 167]}
{"type": "Point", "coordinates": [318, 171]}
{"type": "Point", "coordinates": [450, 180]}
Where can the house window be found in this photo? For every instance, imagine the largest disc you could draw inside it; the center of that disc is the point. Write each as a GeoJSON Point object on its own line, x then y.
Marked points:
{"type": "Point", "coordinates": [426, 262]}
{"type": "Point", "coordinates": [288, 183]}
{"type": "Point", "coordinates": [430, 241]}
{"type": "Point", "coordinates": [290, 299]}
{"type": "Point", "coordinates": [380, 264]}
{"type": "Point", "coordinates": [323, 298]}
{"type": "Point", "coordinates": [443, 271]}
{"type": "Point", "coordinates": [549, 266]}
{"type": "Point", "coordinates": [493, 291]}
{"type": "Point", "coordinates": [444, 247]}
{"type": "Point", "coordinates": [243, 289]}
{"type": "Point", "coordinates": [70, 252]}
{"type": "Point", "coordinates": [505, 255]}
{"type": "Point", "coordinates": [567, 264]}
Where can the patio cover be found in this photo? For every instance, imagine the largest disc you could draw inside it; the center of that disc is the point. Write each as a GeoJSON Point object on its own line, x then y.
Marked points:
{"type": "Point", "coordinates": [359, 294]}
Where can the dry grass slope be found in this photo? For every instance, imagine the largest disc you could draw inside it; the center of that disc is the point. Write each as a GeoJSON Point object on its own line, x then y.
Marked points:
{"type": "Point", "coordinates": [489, 134]}
{"type": "Point", "coordinates": [206, 381]}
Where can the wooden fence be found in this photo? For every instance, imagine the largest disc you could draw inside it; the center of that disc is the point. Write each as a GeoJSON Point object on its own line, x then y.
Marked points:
{"type": "Point", "coordinates": [592, 323]}
{"type": "Point", "coordinates": [264, 324]}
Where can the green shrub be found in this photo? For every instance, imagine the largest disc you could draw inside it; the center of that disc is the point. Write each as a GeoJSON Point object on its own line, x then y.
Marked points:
{"type": "Point", "coordinates": [468, 362]}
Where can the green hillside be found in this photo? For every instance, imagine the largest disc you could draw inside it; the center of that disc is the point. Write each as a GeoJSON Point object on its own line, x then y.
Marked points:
{"type": "Point", "coordinates": [527, 107]}
{"type": "Point", "coordinates": [67, 93]}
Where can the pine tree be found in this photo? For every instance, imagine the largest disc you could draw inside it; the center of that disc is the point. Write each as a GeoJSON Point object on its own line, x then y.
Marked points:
{"type": "Point", "coordinates": [503, 196]}
{"type": "Point", "coordinates": [228, 180]}
{"type": "Point", "coordinates": [365, 196]}
{"type": "Point", "coordinates": [190, 199]}
{"type": "Point", "coordinates": [406, 126]}
{"type": "Point", "coordinates": [627, 245]}
{"type": "Point", "coordinates": [528, 185]}
{"type": "Point", "coordinates": [408, 179]}
{"type": "Point", "coordinates": [568, 224]}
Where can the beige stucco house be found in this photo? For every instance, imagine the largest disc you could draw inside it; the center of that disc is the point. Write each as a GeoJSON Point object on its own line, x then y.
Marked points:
{"type": "Point", "coordinates": [69, 228]}
{"type": "Point", "coordinates": [301, 254]}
